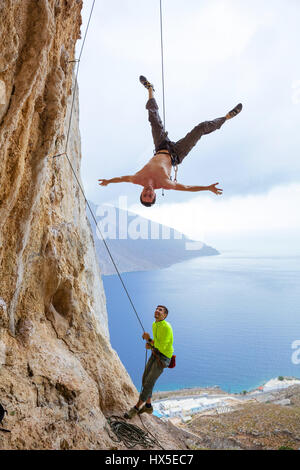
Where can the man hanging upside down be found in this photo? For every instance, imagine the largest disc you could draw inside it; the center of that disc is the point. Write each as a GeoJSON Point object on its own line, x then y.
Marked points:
{"type": "Point", "coordinates": [157, 172]}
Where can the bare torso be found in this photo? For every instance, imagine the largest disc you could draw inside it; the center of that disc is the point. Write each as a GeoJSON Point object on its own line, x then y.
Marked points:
{"type": "Point", "coordinates": [157, 170]}
{"type": "Point", "coordinates": [157, 174]}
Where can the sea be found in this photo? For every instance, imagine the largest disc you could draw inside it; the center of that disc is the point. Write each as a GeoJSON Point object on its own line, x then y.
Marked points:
{"type": "Point", "coordinates": [235, 318]}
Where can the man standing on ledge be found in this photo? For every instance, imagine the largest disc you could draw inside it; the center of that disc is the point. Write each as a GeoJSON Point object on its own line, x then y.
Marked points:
{"type": "Point", "coordinates": [162, 350]}
{"type": "Point", "coordinates": [157, 172]}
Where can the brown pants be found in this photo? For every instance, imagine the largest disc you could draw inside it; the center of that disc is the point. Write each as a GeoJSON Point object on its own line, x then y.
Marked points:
{"type": "Point", "coordinates": [154, 368]}
{"type": "Point", "coordinates": [182, 147]}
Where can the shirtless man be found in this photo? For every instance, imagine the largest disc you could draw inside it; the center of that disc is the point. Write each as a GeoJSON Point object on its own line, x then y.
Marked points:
{"type": "Point", "coordinates": [157, 172]}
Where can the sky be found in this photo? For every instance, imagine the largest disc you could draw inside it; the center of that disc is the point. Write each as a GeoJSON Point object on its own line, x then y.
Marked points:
{"type": "Point", "coordinates": [217, 53]}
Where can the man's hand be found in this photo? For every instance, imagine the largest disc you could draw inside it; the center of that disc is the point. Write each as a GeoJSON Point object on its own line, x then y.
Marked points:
{"type": "Point", "coordinates": [214, 189]}
{"type": "Point", "coordinates": [146, 336]}
{"type": "Point", "coordinates": [118, 179]}
{"type": "Point", "coordinates": [184, 187]}
{"type": "Point", "coordinates": [104, 182]}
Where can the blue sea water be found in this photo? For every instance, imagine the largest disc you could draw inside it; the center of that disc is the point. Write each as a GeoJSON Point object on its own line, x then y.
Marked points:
{"type": "Point", "coordinates": [234, 319]}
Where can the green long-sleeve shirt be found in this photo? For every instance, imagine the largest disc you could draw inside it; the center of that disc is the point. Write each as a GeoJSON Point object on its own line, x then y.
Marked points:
{"type": "Point", "coordinates": [163, 337]}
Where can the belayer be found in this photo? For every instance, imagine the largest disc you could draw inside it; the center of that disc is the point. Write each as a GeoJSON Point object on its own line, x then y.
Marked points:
{"type": "Point", "coordinates": [162, 353]}
{"type": "Point", "coordinates": [157, 172]}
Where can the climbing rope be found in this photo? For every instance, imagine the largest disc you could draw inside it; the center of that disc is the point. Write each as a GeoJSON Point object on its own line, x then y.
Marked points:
{"type": "Point", "coordinates": [76, 76]}
{"type": "Point", "coordinates": [162, 70]}
{"type": "Point", "coordinates": [130, 434]}
{"type": "Point", "coordinates": [105, 244]}
{"type": "Point", "coordinates": [162, 62]}
{"type": "Point", "coordinates": [75, 175]}
{"type": "Point", "coordinates": [163, 78]}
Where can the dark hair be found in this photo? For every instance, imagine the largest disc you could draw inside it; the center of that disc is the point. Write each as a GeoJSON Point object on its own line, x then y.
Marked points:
{"type": "Point", "coordinates": [148, 204]}
{"type": "Point", "coordinates": [166, 310]}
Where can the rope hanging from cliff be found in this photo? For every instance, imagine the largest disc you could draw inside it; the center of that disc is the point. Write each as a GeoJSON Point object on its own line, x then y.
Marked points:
{"type": "Point", "coordinates": [162, 62]}
{"type": "Point", "coordinates": [163, 78]}
{"type": "Point", "coordinates": [130, 434]}
{"type": "Point", "coordinates": [76, 76]}
{"type": "Point", "coordinates": [77, 180]}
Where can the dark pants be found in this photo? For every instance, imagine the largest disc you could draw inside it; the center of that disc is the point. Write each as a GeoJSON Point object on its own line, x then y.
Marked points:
{"type": "Point", "coordinates": [153, 370]}
{"type": "Point", "coordinates": [182, 147]}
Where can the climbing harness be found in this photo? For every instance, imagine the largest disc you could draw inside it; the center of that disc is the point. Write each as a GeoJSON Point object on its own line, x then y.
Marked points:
{"type": "Point", "coordinates": [173, 166]}
{"type": "Point", "coordinates": [175, 173]}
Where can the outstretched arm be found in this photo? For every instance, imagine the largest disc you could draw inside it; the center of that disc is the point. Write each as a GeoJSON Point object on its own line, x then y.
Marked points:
{"type": "Point", "coordinates": [118, 179]}
{"type": "Point", "coordinates": [183, 187]}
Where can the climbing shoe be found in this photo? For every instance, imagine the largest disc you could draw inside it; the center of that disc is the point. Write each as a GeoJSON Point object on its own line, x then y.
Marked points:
{"type": "Point", "coordinates": [146, 409]}
{"type": "Point", "coordinates": [234, 111]}
{"type": "Point", "coordinates": [131, 413]}
{"type": "Point", "coordinates": [145, 82]}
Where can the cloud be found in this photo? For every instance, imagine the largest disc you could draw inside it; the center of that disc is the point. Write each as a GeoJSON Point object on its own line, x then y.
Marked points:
{"type": "Point", "coordinates": [216, 54]}
{"type": "Point", "coordinates": [208, 218]}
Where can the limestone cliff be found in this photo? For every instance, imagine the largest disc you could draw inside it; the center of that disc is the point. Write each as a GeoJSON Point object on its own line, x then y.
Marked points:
{"type": "Point", "coordinates": [59, 375]}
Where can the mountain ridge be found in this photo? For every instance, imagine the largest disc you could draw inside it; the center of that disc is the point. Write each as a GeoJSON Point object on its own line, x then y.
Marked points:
{"type": "Point", "coordinates": [139, 244]}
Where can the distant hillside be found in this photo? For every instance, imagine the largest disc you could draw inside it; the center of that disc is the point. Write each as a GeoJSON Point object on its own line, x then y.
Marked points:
{"type": "Point", "coordinates": [270, 424]}
{"type": "Point", "coordinates": [138, 244]}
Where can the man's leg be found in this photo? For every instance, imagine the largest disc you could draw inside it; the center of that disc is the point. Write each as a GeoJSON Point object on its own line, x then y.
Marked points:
{"type": "Point", "coordinates": [146, 373]}
{"type": "Point", "coordinates": [143, 395]}
{"type": "Point", "coordinates": [161, 365]}
{"type": "Point", "coordinates": [185, 145]}
{"type": "Point", "coordinates": [158, 132]}
{"type": "Point", "coordinates": [154, 371]}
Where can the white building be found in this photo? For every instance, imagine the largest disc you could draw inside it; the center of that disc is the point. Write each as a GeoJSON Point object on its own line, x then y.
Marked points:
{"type": "Point", "coordinates": [183, 407]}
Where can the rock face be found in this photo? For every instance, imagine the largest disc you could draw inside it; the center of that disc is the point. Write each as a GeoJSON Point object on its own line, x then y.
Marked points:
{"type": "Point", "coordinates": [59, 376]}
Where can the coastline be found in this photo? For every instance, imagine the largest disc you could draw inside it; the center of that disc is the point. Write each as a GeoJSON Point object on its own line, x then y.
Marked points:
{"type": "Point", "coordinates": [272, 384]}
{"type": "Point", "coordinates": [192, 391]}
{"type": "Point", "coordinates": [182, 404]}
